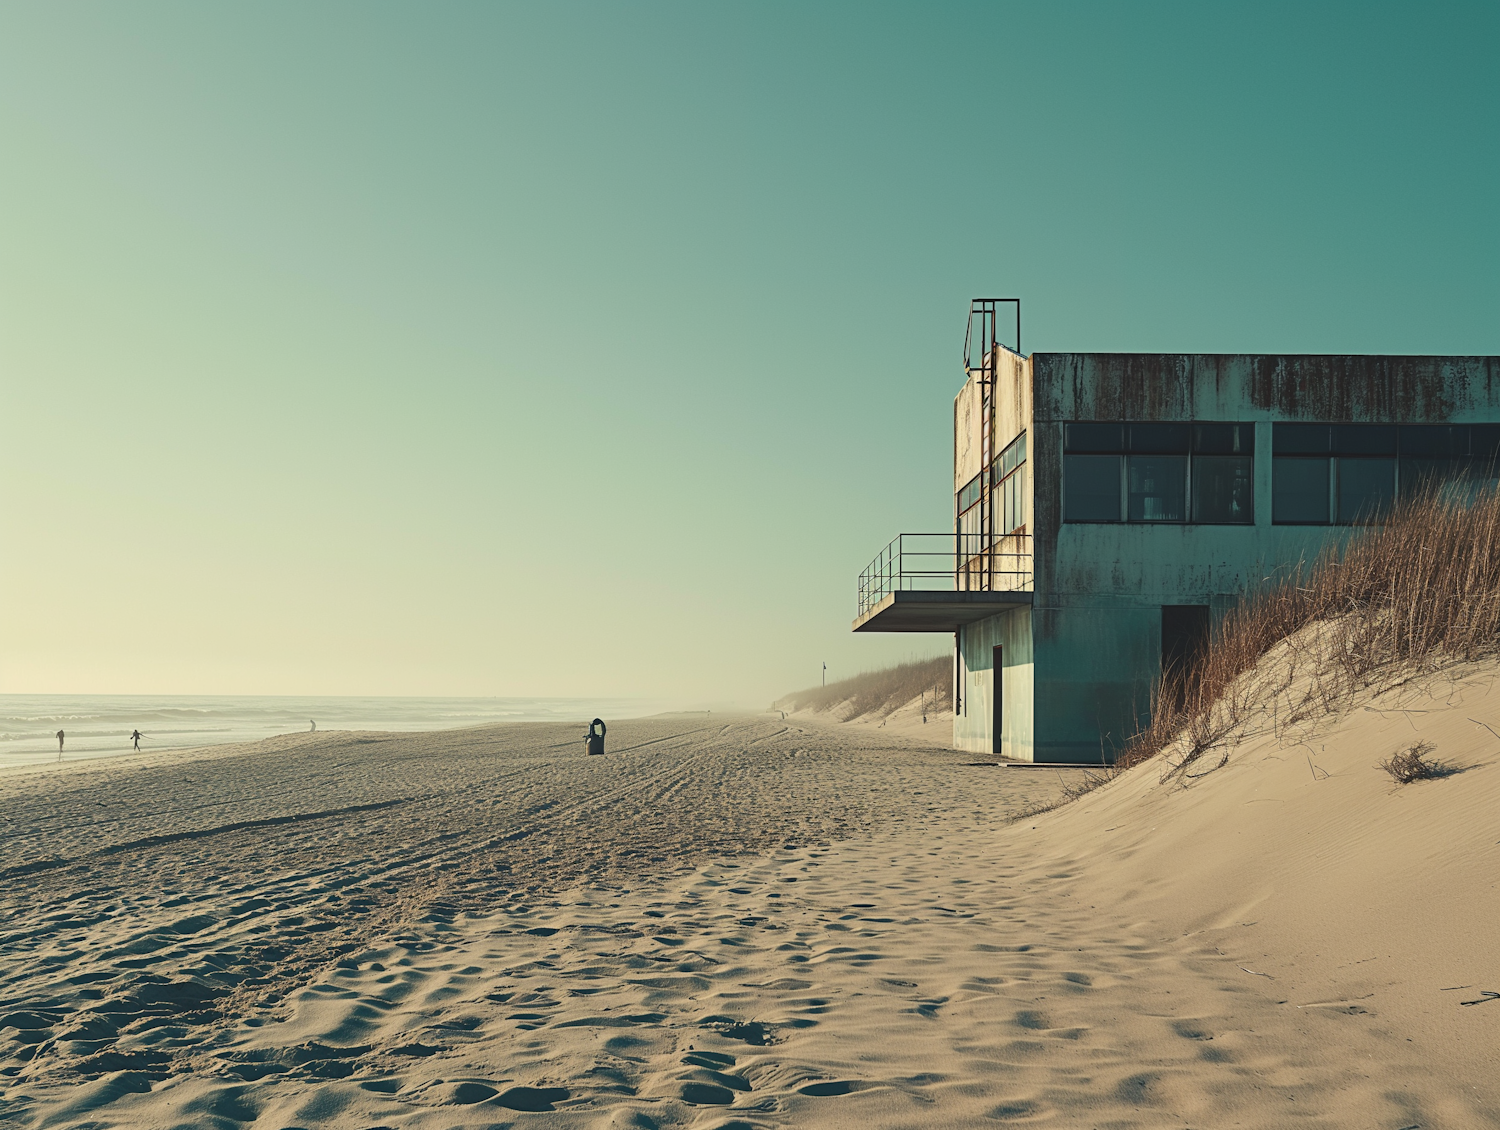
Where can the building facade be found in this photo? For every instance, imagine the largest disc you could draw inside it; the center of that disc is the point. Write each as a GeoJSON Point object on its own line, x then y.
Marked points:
{"type": "Point", "coordinates": [1110, 508]}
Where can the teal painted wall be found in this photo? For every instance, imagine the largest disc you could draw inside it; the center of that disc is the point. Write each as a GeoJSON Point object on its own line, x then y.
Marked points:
{"type": "Point", "coordinates": [972, 727]}
{"type": "Point", "coordinates": [1096, 620]}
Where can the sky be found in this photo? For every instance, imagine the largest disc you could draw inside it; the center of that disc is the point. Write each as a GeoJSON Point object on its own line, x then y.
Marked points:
{"type": "Point", "coordinates": [575, 349]}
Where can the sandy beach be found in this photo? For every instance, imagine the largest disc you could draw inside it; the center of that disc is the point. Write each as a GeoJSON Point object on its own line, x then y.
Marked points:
{"type": "Point", "coordinates": [1020, 483]}
{"type": "Point", "coordinates": [744, 922]}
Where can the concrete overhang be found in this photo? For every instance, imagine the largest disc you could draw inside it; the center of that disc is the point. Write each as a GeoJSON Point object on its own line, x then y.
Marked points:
{"type": "Point", "coordinates": [937, 611]}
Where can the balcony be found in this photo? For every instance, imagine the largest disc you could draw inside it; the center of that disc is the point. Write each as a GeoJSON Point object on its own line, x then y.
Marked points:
{"type": "Point", "coordinates": [938, 582]}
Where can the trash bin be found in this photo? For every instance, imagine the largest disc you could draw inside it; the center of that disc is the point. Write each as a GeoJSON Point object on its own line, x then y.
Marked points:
{"type": "Point", "coordinates": [594, 743]}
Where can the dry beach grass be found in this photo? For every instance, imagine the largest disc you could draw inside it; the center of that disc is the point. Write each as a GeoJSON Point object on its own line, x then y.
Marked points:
{"type": "Point", "coordinates": [911, 701]}
{"type": "Point", "coordinates": [880, 692]}
{"type": "Point", "coordinates": [1397, 601]}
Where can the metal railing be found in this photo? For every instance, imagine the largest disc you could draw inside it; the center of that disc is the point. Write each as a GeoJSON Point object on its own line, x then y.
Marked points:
{"type": "Point", "coordinates": [947, 563]}
{"type": "Point", "coordinates": [979, 348]}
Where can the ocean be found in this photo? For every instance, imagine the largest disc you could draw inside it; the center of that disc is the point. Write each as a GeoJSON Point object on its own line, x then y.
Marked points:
{"type": "Point", "coordinates": [100, 725]}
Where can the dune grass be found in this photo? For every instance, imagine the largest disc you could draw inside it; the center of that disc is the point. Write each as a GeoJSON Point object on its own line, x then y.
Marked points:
{"type": "Point", "coordinates": [1416, 593]}
{"type": "Point", "coordinates": [879, 693]}
{"type": "Point", "coordinates": [1414, 763]}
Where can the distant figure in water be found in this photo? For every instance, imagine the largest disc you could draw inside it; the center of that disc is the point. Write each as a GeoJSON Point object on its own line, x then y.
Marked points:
{"type": "Point", "coordinates": [135, 736]}
{"type": "Point", "coordinates": [312, 726]}
{"type": "Point", "coordinates": [59, 744]}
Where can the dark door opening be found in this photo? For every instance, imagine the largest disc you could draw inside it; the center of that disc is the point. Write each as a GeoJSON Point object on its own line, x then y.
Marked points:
{"type": "Point", "coordinates": [998, 698]}
{"type": "Point", "coordinates": [1184, 639]}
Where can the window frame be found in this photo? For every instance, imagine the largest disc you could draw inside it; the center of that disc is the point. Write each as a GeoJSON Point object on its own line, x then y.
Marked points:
{"type": "Point", "coordinates": [1328, 500]}
{"type": "Point", "coordinates": [1419, 452]}
{"type": "Point", "coordinates": [1197, 478]}
{"type": "Point", "coordinates": [1120, 489]}
{"type": "Point", "coordinates": [1132, 495]}
{"type": "Point", "coordinates": [1127, 440]}
{"type": "Point", "coordinates": [1008, 489]}
{"type": "Point", "coordinates": [976, 485]}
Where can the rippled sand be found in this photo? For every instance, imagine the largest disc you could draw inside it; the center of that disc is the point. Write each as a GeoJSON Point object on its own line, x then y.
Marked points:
{"type": "Point", "coordinates": [723, 923]}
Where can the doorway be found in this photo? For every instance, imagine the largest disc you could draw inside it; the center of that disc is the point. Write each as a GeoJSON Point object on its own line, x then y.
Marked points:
{"type": "Point", "coordinates": [1184, 638]}
{"type": "Point", "coordinates": [997, 699]}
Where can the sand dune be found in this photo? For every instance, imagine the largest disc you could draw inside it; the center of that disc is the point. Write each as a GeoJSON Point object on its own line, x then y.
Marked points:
{"type": "Point", "coordinates": [1368, 912]}
{"type": "Point", "coordinates": [914, 721]}
{"type": "Point", "coordinates": [907, 702]}
{"type": "Point", "coordinates": [745, 923]}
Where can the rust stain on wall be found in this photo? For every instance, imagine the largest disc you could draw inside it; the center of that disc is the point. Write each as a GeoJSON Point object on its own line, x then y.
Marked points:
{"type": "Point", "coordinates": [1325, 388]}
{"type": "Point", "coordinates": [1338, 388]}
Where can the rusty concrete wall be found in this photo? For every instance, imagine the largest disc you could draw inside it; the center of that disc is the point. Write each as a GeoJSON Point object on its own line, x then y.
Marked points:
{"type": "Point", "coordinates": [1168, 386]}
{"type": "Point", "coordinates": [1013, 392]}
{"type": "Point", "coordinates": [967, 439]}
{"type": "Point", "coordinates": [1100, 588]}
{"type": "Point", "coordinates": [1010, 417]}
{"type": "Point", "coordinates": [973, 726]}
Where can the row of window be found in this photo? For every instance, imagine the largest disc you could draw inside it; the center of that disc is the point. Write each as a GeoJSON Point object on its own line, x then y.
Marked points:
{"type": "Point", "coordinates": [1347, 473]}
{"type": "Point", "coordinates": [1010, 501]}
{"type": "Point", "coordinates": [1204, 472]}
{"type": "Point", "coordinates": [1426, 441]}
{"type": "Point", "coordinates": [971, 493]}
{"type": "Point", "coordinates": [1343, 489]}
{"type": "Point", "coordinates": [1009, 473]}
{"type": "Point", "coordinates": [1008, 478]}
{"type": "Point", "coordinates": [1158, 488]}
{"type": "Point", "coordinates": [1159, 472]}
{"type": "Point", "coordinates": [1159, 439]}
{"type": "Point", "coordinates": [1010, 459]}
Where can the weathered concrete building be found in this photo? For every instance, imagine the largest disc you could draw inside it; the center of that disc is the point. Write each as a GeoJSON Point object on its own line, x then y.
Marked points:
{"type": "Point", "coordinates": [1109, 508]}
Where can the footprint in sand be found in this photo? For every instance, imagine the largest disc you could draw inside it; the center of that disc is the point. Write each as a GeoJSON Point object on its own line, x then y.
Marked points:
{"type": "Point", "coordinates": [751, 1032]}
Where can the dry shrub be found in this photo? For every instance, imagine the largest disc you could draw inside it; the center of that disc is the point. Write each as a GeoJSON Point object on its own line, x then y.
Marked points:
{"type": "Point", "coordinates": [1412, 764]}
{"type": "Point", "coordinates": [881, 692]}
{"type": "Point", "coordinates": [1416, 593]}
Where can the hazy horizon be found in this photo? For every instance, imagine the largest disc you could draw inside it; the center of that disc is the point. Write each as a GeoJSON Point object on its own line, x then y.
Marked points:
{"type": "Point", "coordinates": [577, 350]}
{"type": "Point", "coordinates": [103, 726]}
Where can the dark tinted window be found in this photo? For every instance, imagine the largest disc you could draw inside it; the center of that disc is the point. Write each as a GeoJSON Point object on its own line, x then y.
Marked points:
{"type": "Point", "coordinates": [1094, 437]}
{"type": "Point", "coordinates": [1434, 439]}
{"type": "Point", "coordinates": [1299, 439]}
{"type": "Point", "coordinates": [1164, 438]}
{"type": "Point", "coordinates": [1418, 474]}
{"type": "Point", "coordinates": [1364, 439]}
{"type": "Point", "coordinates": [1224, 439]}
{"type": "Point", "coordinates": [1365, 488]}
{"type": "Point", "coordinates": [1484, 463]}
{"type": "Point", "coordinates": [1299, 490]}
{"type": "Point", "coordinates": [1091, 488]}
{"type": "Point", "coordinates": [1223, 489]}
{"type": "Point", "coordinates": [1158, 488]}
{"type": "Point", "coordinates": [1184, 636]}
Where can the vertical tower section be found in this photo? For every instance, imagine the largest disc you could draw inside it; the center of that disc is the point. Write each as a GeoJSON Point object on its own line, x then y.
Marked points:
{"type": "Point", "coordinates": [993, 519]}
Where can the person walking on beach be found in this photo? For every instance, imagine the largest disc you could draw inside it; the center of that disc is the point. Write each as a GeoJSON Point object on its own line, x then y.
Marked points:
{"type": "Point", "coordinates": [135, 736]}
{"type": "Point", "coordinates": [59, 744]}
{"type": "Point", "coordinates": [312, 726]}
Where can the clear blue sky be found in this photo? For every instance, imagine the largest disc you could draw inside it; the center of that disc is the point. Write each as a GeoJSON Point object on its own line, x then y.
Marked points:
{"type": "Point", "coordinates": [573, 349]}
